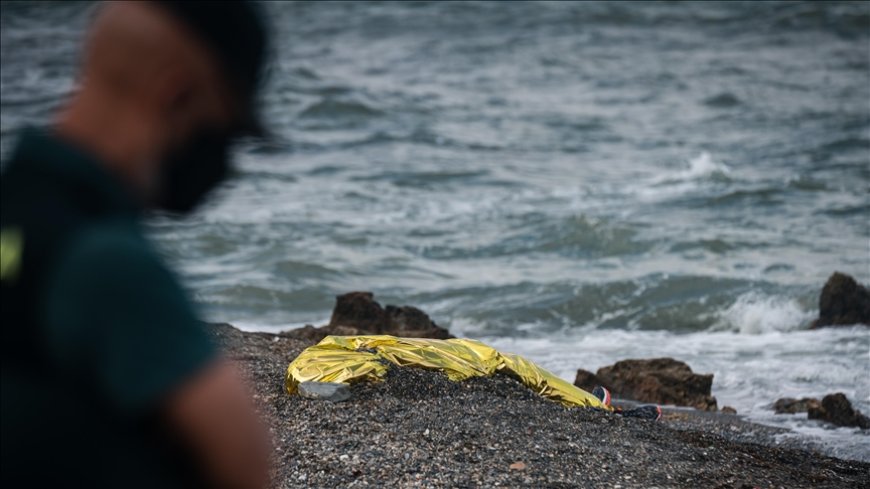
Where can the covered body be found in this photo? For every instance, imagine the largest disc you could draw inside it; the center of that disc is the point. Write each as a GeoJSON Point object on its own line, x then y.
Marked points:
{"type": "Point", "coordinates": [353, 359]}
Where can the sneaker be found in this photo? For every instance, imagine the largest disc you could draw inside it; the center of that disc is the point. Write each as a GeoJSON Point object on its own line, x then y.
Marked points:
{"type": "Point", "coordinates": [649, 411]}
{"type": "Point", "coordinates": [602, 394]}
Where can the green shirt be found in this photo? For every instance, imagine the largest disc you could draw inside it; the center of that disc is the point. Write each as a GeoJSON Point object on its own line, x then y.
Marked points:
{"type": "Point", "coordinates": [97, 332]}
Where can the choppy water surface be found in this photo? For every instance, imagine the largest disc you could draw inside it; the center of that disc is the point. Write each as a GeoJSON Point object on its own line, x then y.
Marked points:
{"type": "Point", "coordinates": [577, 182]}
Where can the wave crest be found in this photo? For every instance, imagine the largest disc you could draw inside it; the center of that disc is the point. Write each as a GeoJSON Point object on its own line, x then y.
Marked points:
{"type": "Point", "coordinates": [754, 313]}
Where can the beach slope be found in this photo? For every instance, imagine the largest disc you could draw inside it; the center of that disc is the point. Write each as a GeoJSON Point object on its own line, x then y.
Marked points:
{"type": "Point", "coordinates": [418, 429]}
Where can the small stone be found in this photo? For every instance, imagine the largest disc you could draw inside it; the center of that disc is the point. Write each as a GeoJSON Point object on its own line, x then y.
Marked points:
{"type": "Point", "coordinates": [729, 410]}
{"type": "Point", "coordinates": [327, 391]}
{"type": "Point", "coordinates": [517, 466]}
{"type": "Point", "coordinates": [344, 457]}
{"type": "Point", "coordinates": [426, 433]}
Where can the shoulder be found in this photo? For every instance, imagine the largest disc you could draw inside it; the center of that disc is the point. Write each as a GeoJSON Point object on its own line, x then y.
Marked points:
{"type": "Point", "coordinates": [115, 310]}
{"type": "Point", "coordinates": [110, 248]}
{"type": "Point", "coordinates": [111, 264]}
{"type": "Point", "coordinates": [112, 237]}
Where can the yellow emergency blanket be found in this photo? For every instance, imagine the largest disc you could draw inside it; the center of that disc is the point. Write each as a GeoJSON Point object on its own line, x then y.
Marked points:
{"type": "Point", "coordinates": [351, 359]}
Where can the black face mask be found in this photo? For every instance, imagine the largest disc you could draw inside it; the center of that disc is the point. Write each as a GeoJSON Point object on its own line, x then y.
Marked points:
{"type": "Point", "coordinates": [190, 173]}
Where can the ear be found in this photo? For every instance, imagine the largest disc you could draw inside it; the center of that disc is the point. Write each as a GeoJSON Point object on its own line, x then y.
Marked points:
{"type": "Point", "coordinates": [180, 95]}
{"type": "Point", "coordinates": [173, 103]}
{"type": "Point", "coordinates": [172, 92]}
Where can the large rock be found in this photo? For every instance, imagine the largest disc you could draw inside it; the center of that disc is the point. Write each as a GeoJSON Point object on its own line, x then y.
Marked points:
{"type": "Point", "coordinates": [658, 380]}
{"type": "Point", "coordinates": [359, 310]}
{"type": "Point", "coordinates": [843, 301]}
{"type": "Point", "coordinates": [410, 322]}
{"type": "Point", "coordinates": [357, 313]}
{"type": "Point", "coordinates": [836, 409]}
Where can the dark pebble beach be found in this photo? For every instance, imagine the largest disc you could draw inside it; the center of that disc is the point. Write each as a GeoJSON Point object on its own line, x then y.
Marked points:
{"type": "Point", "coordinates": [419, 429]}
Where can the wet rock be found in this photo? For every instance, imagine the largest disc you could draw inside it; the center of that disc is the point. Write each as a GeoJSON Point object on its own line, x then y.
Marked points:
{"type": "Point", "coordinates": [357, 313]}
{"type": "Point", "coordinates": [728, 410]}
{"type": "Point", "coordinates": [326, 391]}
{"type": "Point", "coordinates": [359, 310]}
{"type": "Point", "coordinates": [843, 301]}
{"type": "Point", "coordinates": [586, 380]}
{"type": "Point", "coordinates": [411, 322]}
{"type": "Point", "coordinates": [836, 409]}
{"type": "Point", "coordinates": [658, 380]}
{"type": "Point", "coordinates": [789, 405]}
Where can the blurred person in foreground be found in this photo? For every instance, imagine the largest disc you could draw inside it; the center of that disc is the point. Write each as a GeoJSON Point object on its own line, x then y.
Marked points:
{"type": "Point", "coordinates": [108, 377]}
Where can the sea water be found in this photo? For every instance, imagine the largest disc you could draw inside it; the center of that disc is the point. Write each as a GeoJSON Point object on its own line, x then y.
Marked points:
{"type": "Point", "coordinates": [579, 183]}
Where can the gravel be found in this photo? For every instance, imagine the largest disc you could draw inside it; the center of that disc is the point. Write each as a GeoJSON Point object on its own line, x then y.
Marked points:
{"type": "Point", "coordinates": [419, 429]}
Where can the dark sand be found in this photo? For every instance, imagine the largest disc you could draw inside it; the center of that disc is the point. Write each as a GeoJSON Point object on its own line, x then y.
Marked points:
{"type": "Point", "coordinates": [418, 429]}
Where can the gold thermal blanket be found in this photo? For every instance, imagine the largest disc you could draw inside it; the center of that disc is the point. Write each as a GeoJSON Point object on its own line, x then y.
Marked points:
{"type": "Point", "coordinates": [351, 359]}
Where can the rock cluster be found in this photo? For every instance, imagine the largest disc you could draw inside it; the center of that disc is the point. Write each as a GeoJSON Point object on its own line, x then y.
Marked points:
{"type": "Point", "coordinates": [357, 313]}
{"type": "Point", "coordinates": [836, 409]}
{"type": "Point", "coordinates": [658, 380]}
{"type": "Point", "coordinates": [843, 302]}
{"type": "Point", "coordinates": [833, 408]}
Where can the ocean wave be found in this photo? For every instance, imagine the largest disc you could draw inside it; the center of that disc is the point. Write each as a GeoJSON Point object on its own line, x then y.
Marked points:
{"type": "Point", "coordinates": [576, 236]}
{"type": "Point", "coordinates": [724, 100]}
{"type": "Point", "coordinates": [425, 179]}
{"type": "Point", "coordinates": [755, 313]}
{"type": "Point", "coordinates": [759, 196]}
{"type": "Point", "coordinates": [703, 166]}
{"type": "Point", "coordinates": [699, 175]}
{"type": "Point", "coordinates": [328, 108]}
{"type": "Point", "coordinates": [700, 168]}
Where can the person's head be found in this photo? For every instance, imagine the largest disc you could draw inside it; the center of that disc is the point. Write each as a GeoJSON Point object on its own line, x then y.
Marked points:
{"type": "Point", "coordinates": [165, 87]}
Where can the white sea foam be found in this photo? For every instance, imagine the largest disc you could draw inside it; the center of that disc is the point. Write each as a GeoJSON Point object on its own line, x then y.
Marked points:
{"type": "Point", "coordinates": [696, 175]}
{"type": "Point", "coordinates": [754, 313]}
{"type": "Point", "coordinates": [701, 166]}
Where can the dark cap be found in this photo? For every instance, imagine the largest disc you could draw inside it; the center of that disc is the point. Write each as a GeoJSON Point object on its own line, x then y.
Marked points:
{"type": "Point", "coordinates": [236, 33]}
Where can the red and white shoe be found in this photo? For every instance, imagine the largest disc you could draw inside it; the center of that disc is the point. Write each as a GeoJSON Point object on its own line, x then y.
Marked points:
{"type": "Point", "coordinates": [602, 394]}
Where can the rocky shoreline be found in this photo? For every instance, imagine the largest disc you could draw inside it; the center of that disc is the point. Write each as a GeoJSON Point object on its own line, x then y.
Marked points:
{"type": "Point", "coordinates": [418, 429]}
